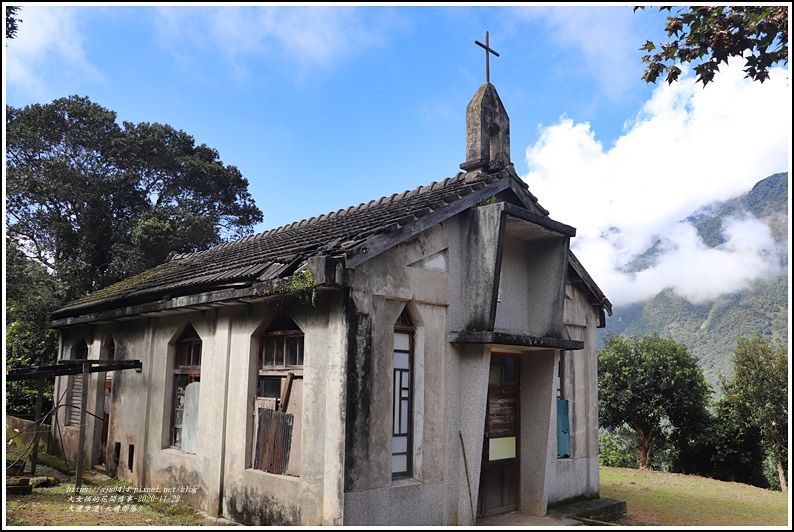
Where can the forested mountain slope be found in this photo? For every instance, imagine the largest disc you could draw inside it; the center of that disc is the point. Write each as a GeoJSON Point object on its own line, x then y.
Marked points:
{"type": "Point", "coordinates": [710, 329]}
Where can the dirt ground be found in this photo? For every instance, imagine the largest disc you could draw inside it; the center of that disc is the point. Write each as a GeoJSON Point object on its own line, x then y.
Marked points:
{"type": "Point", "coordinates": [102, 501]}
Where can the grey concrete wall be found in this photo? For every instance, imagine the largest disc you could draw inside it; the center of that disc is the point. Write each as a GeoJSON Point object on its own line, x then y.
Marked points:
{"type": "Point", "coordinates": [218, 476]}
{"type": "Point", "coordinates": [578, 476]}
{"type": "Point", "coordinates": [468, 368]}
{"type": "Point", "coordinates": [387, 506]}
{"type": "Point", "coordinates": [411, 276]}
{"type": "Point", "coordinates": [315, 496]}
{"type": "Point", "coordinates": [478, 256]}
{"type": "Point", "coordinates": [546, 266]}
{"type": "Point", "coordinates": [512, 309]}
{"type": "Point", "coordinates": [538, 423]}
{"type": "Point", "coordinates": [168, 467]}
{"type": "Point", "coordinates": [472, 299]}
{"type": "Point", "coordinates": [531, 285]}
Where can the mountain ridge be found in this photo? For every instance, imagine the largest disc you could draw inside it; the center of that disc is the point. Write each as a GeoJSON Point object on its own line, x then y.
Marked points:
{"type": "Point", "coordinates": [710, 328]}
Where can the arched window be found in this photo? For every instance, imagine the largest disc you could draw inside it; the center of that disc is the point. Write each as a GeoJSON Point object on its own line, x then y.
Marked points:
{"type": "Point", "coordinates": [187, 375]}
{"type": "Point", "coordinates": [402, 396]}
{"type": "Point", "coordinates": [278, 400]}
{"type": "Point", "coordinates": [79, 352]}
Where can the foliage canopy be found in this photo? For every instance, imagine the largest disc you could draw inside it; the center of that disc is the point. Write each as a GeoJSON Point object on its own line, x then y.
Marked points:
{"type": "Point", "coordinates": [650, 383]}
{"type": "Point", "coordinates": [96, 202]}
{"type": "Point", "coordinates": [708, 36]}
{"type": "Point", "coordinates": [759, 392]}
{"type": "Point", "coordinates": [12, 21]}
{"type": "Point", "coordinates": [30, 297]}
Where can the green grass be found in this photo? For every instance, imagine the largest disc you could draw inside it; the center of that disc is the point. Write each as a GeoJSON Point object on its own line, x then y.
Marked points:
{"type": "Point", "coordinates": [58, 506]}
{"type": "Point", "coordinates": [656, 498]}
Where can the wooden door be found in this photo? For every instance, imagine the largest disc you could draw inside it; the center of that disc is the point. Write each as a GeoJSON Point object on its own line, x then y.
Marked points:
{"type": "Point", "coordinates": [500, 466]}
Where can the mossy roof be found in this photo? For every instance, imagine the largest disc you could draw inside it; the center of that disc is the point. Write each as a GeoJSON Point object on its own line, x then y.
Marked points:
{"type": "Point", "coordinates": [282, 251]}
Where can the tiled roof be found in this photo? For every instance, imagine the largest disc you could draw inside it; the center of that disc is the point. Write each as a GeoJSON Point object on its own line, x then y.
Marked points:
{"type": "Point", "coordinates": [280, 251]}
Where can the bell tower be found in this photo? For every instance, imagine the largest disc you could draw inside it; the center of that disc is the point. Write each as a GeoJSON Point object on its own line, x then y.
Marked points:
{"type": "Point", "coordinates": [487, 126]}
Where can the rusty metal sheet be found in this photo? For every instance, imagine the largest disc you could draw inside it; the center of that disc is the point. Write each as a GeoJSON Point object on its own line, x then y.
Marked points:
{"type": "Point", "coordinates": [274, 440]}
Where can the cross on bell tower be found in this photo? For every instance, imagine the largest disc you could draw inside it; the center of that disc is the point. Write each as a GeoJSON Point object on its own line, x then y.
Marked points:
{"type": "Point", "coordinates": [488, 50]}
{"type": "Point", "coordinates": [487, 126]}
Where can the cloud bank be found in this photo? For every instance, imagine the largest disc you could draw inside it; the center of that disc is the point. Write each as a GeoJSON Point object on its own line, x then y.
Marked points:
{"type": "Point", "coordinates": [687, 147]}
{"type": "Point", "coordinates": [47, 52]}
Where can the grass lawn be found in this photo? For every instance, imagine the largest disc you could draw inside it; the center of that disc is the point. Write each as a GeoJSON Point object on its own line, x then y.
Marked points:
{"type": "Point", "coordinates": [114, 505]}
{"type": "Point", "coordinates": [655, 498]}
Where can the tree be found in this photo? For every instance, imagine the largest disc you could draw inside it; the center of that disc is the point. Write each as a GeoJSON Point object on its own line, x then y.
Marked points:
{"type": "Point", "coordinates": [95, 203]}
{"type": "Point", "coordinates": [726, 448]}
{"type": "Point", "coordinates": [759, 391]}
{"type": "Point", "coordinates": [650, 383]}
{"type": "Point", "coordinates": [30, 297]}
{"type": "Point", "coordinates": [12, 21]}
{"type": "Point", "coordinates": [757, 34]}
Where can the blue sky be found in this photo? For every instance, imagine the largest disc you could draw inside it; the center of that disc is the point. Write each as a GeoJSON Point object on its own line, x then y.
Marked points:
{"type": "Point", "coordinates": [325, 107]}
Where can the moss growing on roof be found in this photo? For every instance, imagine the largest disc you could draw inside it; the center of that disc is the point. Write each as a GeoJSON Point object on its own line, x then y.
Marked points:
{"type": "Point", "coordinates": [127, 285]}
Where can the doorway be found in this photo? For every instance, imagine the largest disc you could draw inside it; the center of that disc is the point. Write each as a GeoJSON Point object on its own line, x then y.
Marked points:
{"type": "Point", "coordinates": [103, 442]}
{"type": "Point", "coordinates": [500, 465]}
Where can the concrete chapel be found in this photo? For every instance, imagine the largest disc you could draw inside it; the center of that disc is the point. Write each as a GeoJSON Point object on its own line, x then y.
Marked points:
{"type": "Point", "coordinates": [427, 358]}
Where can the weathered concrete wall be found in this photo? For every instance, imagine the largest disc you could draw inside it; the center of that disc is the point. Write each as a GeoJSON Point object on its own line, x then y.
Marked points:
{"type": "Point", "coordinates": [472, 301]}
{"type": "Point", "coordinates": [578, 475]}
{"type": "Point", "coordinates": [23, 432]}
{"type": "Point", "coordinates": [531, 286]}
{"type": "Point", "coordinates": [167, 467]}
{"type": "Point", "coordinates": [218, 477]}
{"type": "Point", "coordinates": [387, 506]}
{"type": "Point", "coordinates": [477, 258]}
{"type": "Point", "coordinates": [467, 396]}
{"type": "Point", "coordinates": [538, 422]}
{"type": "Point", "coordinates": [314, 497]}
{"type": "Point", "coordinates": [411, 276]}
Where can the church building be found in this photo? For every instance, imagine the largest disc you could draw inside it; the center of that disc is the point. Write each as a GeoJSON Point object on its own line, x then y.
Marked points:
{"type": "Point", "coordinates": [424, 359]}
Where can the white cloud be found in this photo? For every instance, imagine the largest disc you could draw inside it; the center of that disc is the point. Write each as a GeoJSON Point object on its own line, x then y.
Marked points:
{"type": "Point", "coordinates": [604, 39]}
{"type": "Point", "coordinates": [303, 37]}
{"type": "Point", "coordinates": [47, 52]}
{"type": "Point", "coordinates": [688, 146]}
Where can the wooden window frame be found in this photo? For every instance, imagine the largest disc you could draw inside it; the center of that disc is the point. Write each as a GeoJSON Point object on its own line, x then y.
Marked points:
{"type": "Point", "coordinates": [280, 357]}
{"type": "Point", "coordinates": [187, 368]}
{"type": "Point", "coordinates": [79, 352]}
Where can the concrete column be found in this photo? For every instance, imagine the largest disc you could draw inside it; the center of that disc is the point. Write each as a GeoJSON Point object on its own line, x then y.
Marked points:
{"type": "Point", "coordinates": [537, 439]}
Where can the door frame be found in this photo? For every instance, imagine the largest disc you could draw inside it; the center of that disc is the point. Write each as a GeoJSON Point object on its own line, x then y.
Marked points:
{"type": "Point", "coordinates": [513, 389]}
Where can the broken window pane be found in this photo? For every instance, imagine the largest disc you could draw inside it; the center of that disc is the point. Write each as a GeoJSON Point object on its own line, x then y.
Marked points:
{"type": "Point", "coordinates": [276, 446]}
{"type": "Point", "coordinates": [187, 371]}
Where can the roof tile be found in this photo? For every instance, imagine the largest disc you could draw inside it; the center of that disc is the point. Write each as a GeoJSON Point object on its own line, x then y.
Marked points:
{"type": "Point", "coordinates": [264, 255]}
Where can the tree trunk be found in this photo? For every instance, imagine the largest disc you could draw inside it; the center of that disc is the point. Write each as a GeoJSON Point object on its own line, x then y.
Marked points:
{"type": "Point", "coordinates": [645, 448]}
{"type": "Point", "coordinates": [779, 449]}
{"type": "Point", "coordinates": [782, 474]}
{"type": "Point", "coordinates": [780, 471]}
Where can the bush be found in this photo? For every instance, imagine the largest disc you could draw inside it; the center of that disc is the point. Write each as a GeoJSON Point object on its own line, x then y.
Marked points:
{"type": "Point", "coordinates": [615, 451]}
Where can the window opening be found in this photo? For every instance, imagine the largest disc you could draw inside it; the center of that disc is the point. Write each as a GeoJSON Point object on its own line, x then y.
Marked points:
{"type": "Point", "coordinates": [79, 352]}
{"type": "Point", "coordinates": [563, 413]}
{"type": "Point", "coordinates": [187, 376]}
{"type": "Point", "coordinates": [402, 396]}
{"type": "Point", "coordinates": [278, 400]}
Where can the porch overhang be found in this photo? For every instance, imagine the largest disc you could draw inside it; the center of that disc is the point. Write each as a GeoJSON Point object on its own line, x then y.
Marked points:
{"type": "Point", "coordinates": [514, 339]}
